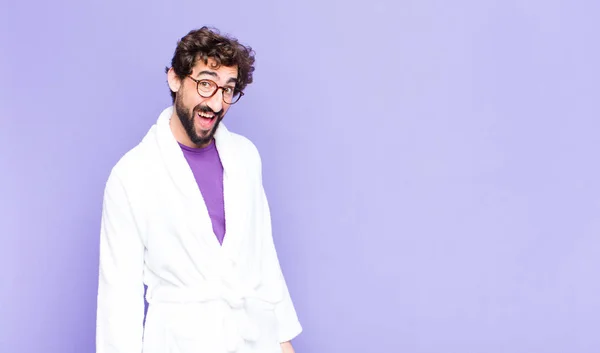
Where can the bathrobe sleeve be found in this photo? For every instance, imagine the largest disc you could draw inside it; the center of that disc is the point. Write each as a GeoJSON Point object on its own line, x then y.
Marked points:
{"type": "Point", "coordinates": [288, 324]}
{"type": "Point", "coordinates": [120, 306]}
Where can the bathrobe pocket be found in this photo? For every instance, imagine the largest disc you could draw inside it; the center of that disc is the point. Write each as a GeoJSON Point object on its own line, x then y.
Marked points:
{"type": "Point", "coordinates": [196, 328]}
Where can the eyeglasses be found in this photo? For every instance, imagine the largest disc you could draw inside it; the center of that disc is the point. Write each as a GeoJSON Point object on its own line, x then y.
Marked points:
{"type": "Point", "coordinates": [208, 88]}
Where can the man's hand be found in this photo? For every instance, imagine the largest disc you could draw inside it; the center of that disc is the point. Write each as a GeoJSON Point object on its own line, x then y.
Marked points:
{"type": "Point", "coordinates": [286, 347]}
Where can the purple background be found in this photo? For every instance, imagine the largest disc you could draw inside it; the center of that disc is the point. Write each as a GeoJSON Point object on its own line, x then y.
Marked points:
{"type": "Point", "coordinates": [432, 166]}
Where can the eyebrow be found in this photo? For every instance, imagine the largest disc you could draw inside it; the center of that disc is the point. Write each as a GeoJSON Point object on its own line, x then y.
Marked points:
{"type": "Point", "coordinates": [215, 75]}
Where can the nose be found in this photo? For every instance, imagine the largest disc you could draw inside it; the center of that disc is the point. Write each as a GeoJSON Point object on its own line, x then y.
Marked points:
{"type": "Point", "coordinates": [216, 101]}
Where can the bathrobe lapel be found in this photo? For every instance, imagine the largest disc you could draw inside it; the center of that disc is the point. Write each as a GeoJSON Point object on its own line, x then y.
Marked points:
{"type": "Point", "coordinates": [199, 237]}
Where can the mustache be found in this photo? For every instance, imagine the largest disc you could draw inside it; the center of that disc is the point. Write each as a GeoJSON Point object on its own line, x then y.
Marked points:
{"type": "Point", "coordinates": [206, 109]}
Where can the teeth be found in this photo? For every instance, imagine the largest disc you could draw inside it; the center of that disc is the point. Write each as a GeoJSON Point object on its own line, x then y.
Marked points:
{"type": "Point", "coordinates": [208, 116]}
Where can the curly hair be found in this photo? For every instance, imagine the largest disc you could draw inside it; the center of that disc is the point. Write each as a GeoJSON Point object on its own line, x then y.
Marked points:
{"type": "Point", "coordinates": [207, 43]}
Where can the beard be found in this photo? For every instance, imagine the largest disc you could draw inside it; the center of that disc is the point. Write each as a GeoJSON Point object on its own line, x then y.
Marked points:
{"type": "Point", "coordinates": [187, 119]}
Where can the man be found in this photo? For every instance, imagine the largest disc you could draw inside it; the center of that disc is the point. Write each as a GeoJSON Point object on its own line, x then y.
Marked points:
{"type": "Point", "coordinates": [185, 213]}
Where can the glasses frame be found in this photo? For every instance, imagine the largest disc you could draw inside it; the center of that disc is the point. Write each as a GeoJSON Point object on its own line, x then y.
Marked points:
{"type": "Point", "coordinates": [216, 90]}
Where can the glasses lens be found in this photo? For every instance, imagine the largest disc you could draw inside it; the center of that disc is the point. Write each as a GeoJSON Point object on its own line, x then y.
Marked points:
{"type": "Point", "coordinates": [206, 88]}
{"type": "Point", "coordinates": [232, 98]}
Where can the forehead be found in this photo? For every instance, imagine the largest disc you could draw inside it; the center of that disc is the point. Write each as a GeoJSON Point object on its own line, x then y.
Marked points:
{"type": "Point", "coordinates": [223, 73]}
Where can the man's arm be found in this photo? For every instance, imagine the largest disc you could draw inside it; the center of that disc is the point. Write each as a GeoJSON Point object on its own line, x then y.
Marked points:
{"type": "Point", "coordinates": [120, 308]}
{"type": "Point", "coordinates": [286, 347]}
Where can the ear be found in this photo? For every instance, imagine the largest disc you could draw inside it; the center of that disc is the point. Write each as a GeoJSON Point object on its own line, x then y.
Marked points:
{"type": "Point", "coordinates": [174, 81]}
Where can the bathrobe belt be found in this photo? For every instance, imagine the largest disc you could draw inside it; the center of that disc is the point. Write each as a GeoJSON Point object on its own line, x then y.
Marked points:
{"type": "Point", "coordinates": [238, 326]}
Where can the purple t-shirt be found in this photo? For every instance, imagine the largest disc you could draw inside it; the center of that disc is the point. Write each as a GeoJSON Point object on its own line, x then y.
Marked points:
{"type": "Point", "coordinates": [208, 171]}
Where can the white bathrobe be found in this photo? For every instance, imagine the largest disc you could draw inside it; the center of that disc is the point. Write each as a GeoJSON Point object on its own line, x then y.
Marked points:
{"type": "Point", "coordinates": [204, 297]}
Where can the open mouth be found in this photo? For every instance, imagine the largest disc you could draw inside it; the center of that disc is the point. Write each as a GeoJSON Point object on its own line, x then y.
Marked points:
{"type": "Point", "coordinates": [206, 120]}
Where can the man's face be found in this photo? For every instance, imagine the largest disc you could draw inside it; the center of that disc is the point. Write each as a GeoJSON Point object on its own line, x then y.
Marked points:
{"type": "Point", "coordinates": [201, 116]}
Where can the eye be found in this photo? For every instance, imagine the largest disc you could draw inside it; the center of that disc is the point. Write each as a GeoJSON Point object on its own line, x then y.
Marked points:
{"type": "Point", "coordinates": [205, 84]}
